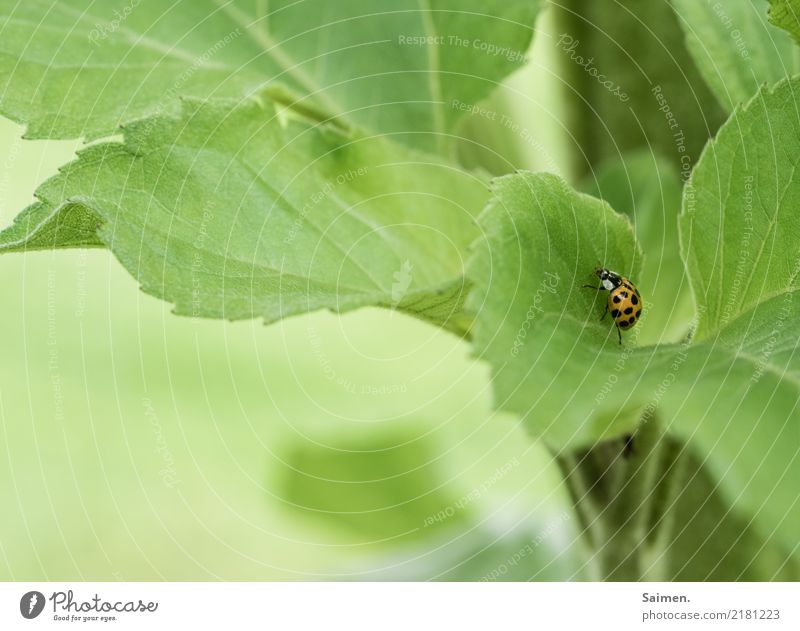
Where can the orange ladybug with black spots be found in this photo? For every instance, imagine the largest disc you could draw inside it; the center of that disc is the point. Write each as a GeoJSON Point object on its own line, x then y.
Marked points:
{"type": "Point", "coordinates": [624, 299]}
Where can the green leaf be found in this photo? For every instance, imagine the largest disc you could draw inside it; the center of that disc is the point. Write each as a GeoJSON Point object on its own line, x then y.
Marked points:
{"type": "Point", "coordinates": [785, 14]}
{"type": "Point", "coordinates": [734, 46]}
{"type": "Point", "coordinates": [77, 68]}
{"type": "Point", "coordinates": [739, 231]}
{"type": "Point", "coordinates": [706, 541]}
{"type": "Point", "coordinates": [534, 323]}
{"type": "Point", "coordinates": [736, 402]}
{"type": "Point", "coordinates": [733, 396]}
{"type": "Point", "coordinates": [236, 211]}
{"type": "Point", "coordinates": [739, 225]}
{"type": "Point", "coordinates": [45, 225]}
{"type": "Point", "coordinates": [648, 190]}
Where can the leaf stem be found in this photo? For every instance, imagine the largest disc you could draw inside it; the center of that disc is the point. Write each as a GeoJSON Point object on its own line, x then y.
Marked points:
{"type": "Point", "coordinates": [627, 514]}
{"type": "Point", "coordinates": [663, 525]}
{"type": "Point", "coordinates": [580, 495]}
{"type": "Point", "coordinates": [615, 496]}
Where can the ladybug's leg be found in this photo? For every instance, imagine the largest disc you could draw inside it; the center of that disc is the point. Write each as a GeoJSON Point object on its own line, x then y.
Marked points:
{"type": "Point", "coordinates": [593, 287]}
{"type": "Point", "coordinates": [602, 317]}
{"type": "Point", "coordinates": [619, 333]}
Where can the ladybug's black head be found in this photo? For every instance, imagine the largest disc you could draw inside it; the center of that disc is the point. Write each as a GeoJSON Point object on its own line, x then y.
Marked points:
{"type": "Point", "coordinates": [604, 273]}
{"type": "Point", "coordinates": [608, 279]}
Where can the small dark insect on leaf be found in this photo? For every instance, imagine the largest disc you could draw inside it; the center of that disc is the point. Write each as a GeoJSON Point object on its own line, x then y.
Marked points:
{"type": "Point", "coordinates": [628, 448]}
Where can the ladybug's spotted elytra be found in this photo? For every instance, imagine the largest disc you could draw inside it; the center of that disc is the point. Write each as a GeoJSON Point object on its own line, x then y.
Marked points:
{"type": "Point", "coordinates": [624, 300]}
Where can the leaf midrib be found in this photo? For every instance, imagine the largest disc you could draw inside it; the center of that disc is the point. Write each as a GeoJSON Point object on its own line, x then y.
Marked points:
{"type": "Point", "coordinates": [433, 74]}
{"type": "Point", "coordinates": [272, 49]}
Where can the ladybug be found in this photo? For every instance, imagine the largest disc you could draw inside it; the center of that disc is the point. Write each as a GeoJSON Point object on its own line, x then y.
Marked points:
{"type": "Point", "coordinates": [624, 300]}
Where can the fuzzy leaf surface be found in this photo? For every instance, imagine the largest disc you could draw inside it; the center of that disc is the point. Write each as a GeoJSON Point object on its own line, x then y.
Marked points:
{"type": "Point", "coordinates": [734, 46]}
{"type": "Point", "coordinates": [785, 14]}
{"type": "Point", "coordinates": [234, 211]}
{"type": "Point", "coordinates": [79, 68]}
{"type": "Point", "coordinates": [733, 396]}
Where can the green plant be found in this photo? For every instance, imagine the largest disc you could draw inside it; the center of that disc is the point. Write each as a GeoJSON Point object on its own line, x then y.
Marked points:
{"type": "Point", "coordinates": [261, 164]}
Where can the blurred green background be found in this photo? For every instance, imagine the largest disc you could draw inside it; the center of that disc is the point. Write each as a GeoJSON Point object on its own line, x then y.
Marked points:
{"type": "Point", "coordinates": [138, 445]}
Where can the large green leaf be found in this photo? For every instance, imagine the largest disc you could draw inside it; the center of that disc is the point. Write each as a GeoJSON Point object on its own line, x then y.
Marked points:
{"type": "Point", "coordinates": [535, 324]}
{"type": "Point", "coordinates": [234, 211]}
{"type": "Point", "coordinates": [731, 390]}
{"type": "Point", "coordinates": [704, 540]}
{"type": "Point", "coordinates": [75, 68]}
{"type": "Point", "coordinates": [734, 46]}
{"type": "Point", "coordinates": [740, 223]}
{"type": "Point", "coordinates": [739, 233]}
